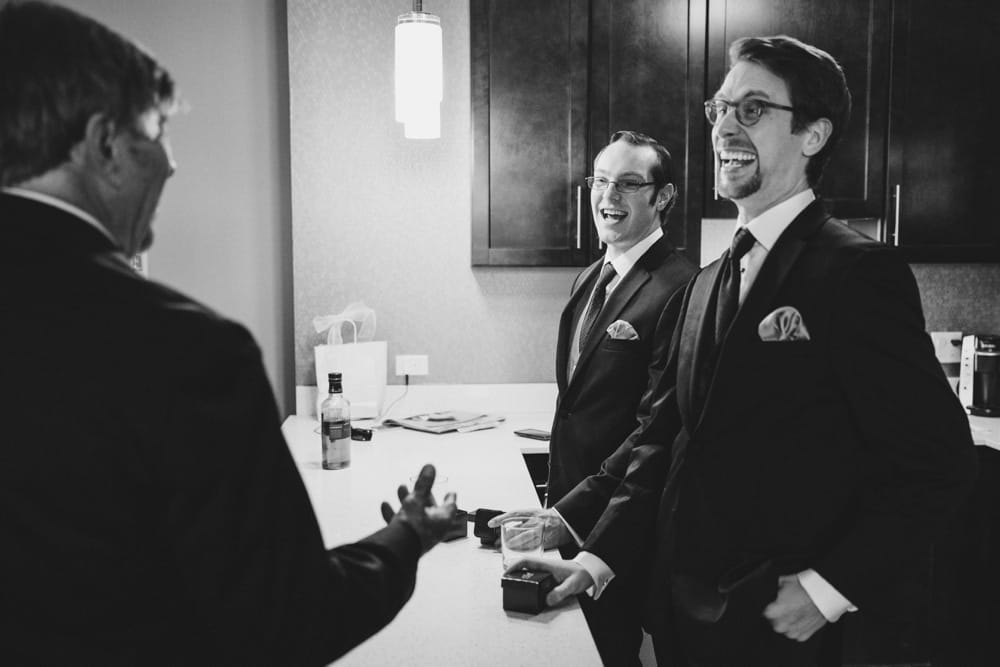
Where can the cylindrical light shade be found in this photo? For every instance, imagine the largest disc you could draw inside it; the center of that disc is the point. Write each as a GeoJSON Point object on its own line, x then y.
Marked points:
{"type": "Point", "coordinates": [419, 78]}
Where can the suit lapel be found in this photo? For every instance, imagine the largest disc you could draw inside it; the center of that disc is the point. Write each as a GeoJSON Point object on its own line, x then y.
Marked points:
{"type": "Point", "coordinates": [567, 322]}
{"type": "Point", "coordinates": [697, 342]}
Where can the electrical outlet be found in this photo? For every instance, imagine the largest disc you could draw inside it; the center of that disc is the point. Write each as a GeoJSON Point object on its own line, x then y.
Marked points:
{"type": "Point", "coordinates": [947, 346]}
{"type": "Point", "coordinates": [411, 364]}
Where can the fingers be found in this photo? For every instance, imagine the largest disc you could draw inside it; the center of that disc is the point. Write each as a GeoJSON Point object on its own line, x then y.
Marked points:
{"type": "Point", "coordinates": [425, 480]}
{"type": "Point", "coordinates": [450, 500]}
{"type": "Point", "coordinates": [387, 512]}
{"type": "Point", "coordinates": [402, 492]}
{"type": "Point", "coordinates": [515, 514]}
{"type": "Point", "coordinates": [573, 585]}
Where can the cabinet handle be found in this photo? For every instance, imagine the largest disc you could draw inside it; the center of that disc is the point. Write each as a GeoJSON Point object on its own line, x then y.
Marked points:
{"type": "Point", "coordinates": [895, 232]}
{"type": "Point", "coordinates": [578, 197]}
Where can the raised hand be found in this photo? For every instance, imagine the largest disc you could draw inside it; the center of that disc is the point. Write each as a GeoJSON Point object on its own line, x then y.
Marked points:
{"type": "Point", "coordinates": [419, 511]}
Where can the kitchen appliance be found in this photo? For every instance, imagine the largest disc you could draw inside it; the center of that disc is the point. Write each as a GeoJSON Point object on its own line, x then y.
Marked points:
{"type": "Point", "coordinates": [979, 375]}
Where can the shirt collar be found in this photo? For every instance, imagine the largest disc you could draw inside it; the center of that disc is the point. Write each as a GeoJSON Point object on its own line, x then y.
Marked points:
{"type": "Point", "coordinates": [769, 225]}
{"type": "Point", "coordinates": [624, 262]}
{"type": "Point", "coordinates": [62, 205]}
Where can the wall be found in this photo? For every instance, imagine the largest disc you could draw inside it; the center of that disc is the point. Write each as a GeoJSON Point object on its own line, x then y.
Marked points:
{"type": "Point", "coordinates": [386, 219]}
{"type": "Point", "coordinates": [223, 228]}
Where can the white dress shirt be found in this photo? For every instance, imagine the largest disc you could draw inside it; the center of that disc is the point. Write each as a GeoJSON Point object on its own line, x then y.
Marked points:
{"type": "Point", "coordinates": [766, 229]}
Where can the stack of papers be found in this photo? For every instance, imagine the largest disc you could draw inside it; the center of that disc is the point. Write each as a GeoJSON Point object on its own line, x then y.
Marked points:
{"type": "Point", "coordinates": [447, 421]}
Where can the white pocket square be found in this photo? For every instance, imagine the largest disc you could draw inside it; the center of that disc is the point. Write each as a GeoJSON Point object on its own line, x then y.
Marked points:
{"type": "Point", "coordinates": [622, 330]}
{"type": "Point", "coordinates": [784, 324]}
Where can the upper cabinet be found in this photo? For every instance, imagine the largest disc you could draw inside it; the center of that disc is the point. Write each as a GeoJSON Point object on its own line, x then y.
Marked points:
{"type": "Point", "coordinates": [552, 79]}
{"type": "Point", "coordinates": [943, 139]}
{"type": "Point", "coordinates": [529, 127]}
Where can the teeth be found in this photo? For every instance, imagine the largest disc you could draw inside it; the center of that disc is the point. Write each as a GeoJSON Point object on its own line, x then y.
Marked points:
{"type": "Point", "coordinates": [742, 156]}
{"type": "Point", "coordinates": [613, 213]}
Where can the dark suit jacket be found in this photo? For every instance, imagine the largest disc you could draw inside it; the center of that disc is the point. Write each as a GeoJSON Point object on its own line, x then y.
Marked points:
{"type": "Point", "coordinates": [150, 511]}
{"type": "Point", "coordinates": [846, 453]}
{"type": "Point", "coordinates": [596, 407]}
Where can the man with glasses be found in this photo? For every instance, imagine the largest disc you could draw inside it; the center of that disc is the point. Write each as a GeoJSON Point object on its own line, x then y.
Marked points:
{"type": "Point", "coordinates": [804, 447]}
{"type": "Point", "coordinates": [150, 511]}
{"type": "Point", "coordinates": [607, 336]}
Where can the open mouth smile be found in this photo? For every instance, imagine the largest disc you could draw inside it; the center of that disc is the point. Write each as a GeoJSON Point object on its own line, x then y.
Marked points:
{"type": "Point", "coordinates": [613, 214]}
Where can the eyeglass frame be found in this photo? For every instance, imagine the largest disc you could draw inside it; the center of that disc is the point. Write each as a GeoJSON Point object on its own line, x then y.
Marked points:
{"type": "Point", "coordinates": [713, 104]}
{"type": "Point", "coordinates": [630, 186]}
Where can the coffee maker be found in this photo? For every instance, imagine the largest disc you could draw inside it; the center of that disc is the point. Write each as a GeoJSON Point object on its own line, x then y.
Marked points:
{"type": "Point", "coordinates": [979, 375]}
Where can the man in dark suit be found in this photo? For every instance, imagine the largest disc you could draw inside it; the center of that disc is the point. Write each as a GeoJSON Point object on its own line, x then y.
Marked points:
{"type": "Point", "coordinates": [150, 511]}
{"type": "Point", "coordinates": [803, 447]}
{"type": "Point", "coordinates": [606, 343]}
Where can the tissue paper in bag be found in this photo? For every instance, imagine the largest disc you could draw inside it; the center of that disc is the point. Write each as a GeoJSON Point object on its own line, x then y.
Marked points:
{"type": "Point", "coordinates": [361, 361]}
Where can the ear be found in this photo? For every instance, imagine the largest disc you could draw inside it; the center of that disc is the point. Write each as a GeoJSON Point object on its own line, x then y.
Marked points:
{"type": "Point", "coordinates": [665, 196]}
{"type": "Point", "coordinates": [816, 134]}
{"type": "Point", "coordinates": [98, 152]}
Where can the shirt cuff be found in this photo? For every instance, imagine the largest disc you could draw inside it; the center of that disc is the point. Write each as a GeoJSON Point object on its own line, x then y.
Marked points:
{"type": "Point", "coordinates": [598, 571]}
{"type": "Point", "coordinates": [827, 599]}
{"type": "Point", "coordinates": [579, 542]}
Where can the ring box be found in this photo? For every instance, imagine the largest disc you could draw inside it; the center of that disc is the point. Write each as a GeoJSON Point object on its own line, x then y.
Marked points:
{"type": "Point", "coordinates": [525, 590]}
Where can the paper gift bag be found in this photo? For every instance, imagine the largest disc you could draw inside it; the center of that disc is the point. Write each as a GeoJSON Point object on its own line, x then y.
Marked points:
{"type": "Point", "coordinates": [363, 367]}
{"type": "Point", "coordinates": [361, 361]}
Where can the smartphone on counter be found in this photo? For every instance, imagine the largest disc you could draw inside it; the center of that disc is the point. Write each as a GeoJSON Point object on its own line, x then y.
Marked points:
{"type": "Point", "coordinates": [533, 433]}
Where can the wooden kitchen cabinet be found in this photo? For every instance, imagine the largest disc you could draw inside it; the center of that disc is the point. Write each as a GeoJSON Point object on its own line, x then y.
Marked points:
{"type": "Point", "coordinates": [943, 144]}
{"type": "Point", "coordinates": [857, 33]}
{"type": "Point", "coordinates": [551, 80]}
{"type": "Point", "coordinates": [529, 127]}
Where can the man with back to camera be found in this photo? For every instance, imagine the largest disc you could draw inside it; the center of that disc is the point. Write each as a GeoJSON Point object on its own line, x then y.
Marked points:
{"type": "Point", "coordinates": [803, 446]}
{"type": "Point", "coordinates": [606, 343]}
{"type": "Point", "coordinates": [150, 511]}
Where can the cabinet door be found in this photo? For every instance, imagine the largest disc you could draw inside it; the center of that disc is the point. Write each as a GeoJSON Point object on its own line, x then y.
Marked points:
{"type": "Point", "coordinates": [529, 97]}
{"type": "Point", "coordinates": [643, 78]}
{"type": "Point", "coordinates": [857, 34]}
{"type": "Point", "coordinates": [943, 139]}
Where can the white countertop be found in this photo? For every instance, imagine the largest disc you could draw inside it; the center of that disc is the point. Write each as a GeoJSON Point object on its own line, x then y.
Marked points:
{"type": "Point", "coordinates": [455, 616]}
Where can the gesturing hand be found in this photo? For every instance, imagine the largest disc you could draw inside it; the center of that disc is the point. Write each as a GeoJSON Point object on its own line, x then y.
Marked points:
{"type": "Point", "coordinates": [418, 510]}
{"type": "Point", "coordinates": [793, 613]}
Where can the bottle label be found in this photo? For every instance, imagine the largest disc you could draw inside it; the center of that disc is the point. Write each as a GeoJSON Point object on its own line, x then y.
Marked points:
{"type": "Point", "coordinates": [337, 430]}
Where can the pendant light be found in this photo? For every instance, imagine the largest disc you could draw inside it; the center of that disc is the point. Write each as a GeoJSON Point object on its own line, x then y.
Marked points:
{"type": "Point", "coordinates": [419, 78]}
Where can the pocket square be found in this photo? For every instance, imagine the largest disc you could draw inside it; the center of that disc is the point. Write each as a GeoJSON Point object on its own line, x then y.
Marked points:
{"type": "Point", "coordinates": [622, 330]}
{"type": "Point", "coordinates": [784, 324]}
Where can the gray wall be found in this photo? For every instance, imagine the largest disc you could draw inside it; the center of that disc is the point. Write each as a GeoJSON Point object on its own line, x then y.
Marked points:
{"type": "Point", "coordinates": [223, 229]}
{"type": "Point", "coordinates": [386, 219]}
{"type": "Point", "coordinates": [376, 216]}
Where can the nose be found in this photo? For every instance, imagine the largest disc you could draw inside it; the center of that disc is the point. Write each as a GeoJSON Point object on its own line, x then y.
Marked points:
{"type": "Point", "coordinates": [727, 124]}
{"type": "Point", "coordinates": [612, 192]}
{"type": "Point", "coordinates": [169, 154]}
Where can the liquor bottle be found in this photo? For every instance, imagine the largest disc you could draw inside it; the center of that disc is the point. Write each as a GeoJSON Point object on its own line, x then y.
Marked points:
{"type": "Point", "coordinates": [335, 414]}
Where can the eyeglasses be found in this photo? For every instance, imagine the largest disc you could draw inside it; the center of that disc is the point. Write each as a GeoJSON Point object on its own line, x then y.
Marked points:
{"type": "Point", "coordinates": [625, 187]}
{"type": "Point", "coordinates": [748, 111]}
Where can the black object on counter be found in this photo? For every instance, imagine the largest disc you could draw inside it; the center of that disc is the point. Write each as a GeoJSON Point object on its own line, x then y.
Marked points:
{"type": "Point", "coordinates": [525, 590]}
{"type": "Point", "coordinates": [362, 434]}
{"type": "Point", "coordinates": [487, 536]}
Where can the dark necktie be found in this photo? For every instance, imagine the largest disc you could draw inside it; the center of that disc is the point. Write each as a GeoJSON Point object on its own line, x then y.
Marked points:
{"type": "Point", "coordinates": [596, 302]}
{"type": "Point", "coordinates": [729, 288]}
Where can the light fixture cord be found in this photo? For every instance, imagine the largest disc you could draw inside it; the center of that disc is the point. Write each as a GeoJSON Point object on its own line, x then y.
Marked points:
{"type": "Point", "coordinates": [418, 6]}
